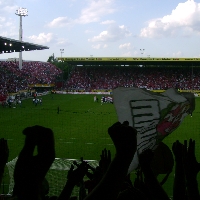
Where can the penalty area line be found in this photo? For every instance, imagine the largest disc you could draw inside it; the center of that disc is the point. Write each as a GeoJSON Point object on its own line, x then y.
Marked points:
{"type": "Point", "coordinates": [91, 109]}
{"type": "Point", "coordinates": [67, 142]}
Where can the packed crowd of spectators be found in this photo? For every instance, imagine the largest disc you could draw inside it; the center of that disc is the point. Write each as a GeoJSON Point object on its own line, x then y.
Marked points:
{"type": "Point", "coordinates": [109, 180]}
{"type": "Point", "coordinates": [153, 78]}
{"type": "Point", "coordinates": [12, 79]}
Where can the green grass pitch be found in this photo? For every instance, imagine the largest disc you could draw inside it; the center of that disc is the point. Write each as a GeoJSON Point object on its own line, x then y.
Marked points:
{"type": "Point", "coordinates": [80, 127]}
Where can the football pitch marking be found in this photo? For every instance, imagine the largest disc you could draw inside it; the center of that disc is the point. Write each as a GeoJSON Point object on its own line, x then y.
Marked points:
{"type": "Point", "coordinates": [95, 107]}
{"type": "Point", "coordinates": [67, 142]}
{"type": "Point", "coordinates": [91, 109]}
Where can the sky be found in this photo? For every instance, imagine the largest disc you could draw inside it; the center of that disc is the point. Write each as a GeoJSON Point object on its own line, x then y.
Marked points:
{"type": "Point", "coordinates": [104, 28]}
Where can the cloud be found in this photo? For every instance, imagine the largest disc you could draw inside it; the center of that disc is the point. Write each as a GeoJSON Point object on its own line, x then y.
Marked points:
{"type": "Point", "coordinates": [88, 31]}
{"type": "Point", "coordinates": [177, 54]}
{"type": "Point", "coordinates": [108, 22]}
{"type": "Point", "coordinates": [127, 54]}
{"type": "Point", "coordinates": [60, 22]}
{"type": "Point", "coordinates": [7, 7]}
{"type": "Point", "coordinates": [2, 20]}
{"type": "Point", "coordinates": [62, 41]}
{"type": "Point", "coordinates": [131, 54]}
{"type": "Point", "coordinates": [125, 46]}
{"type": "Point", "coordinates": [49, 38]}
{"type": "Point", "coordinates": [5, 3]}
{"type": "Point", "coordinates": [10, 9]}
{"type": "Point", "coordinates": [42, 38]}
{"type": "Point", "coordinates": [103, 36]}
{"type": "Point", "coordinates": [184, 20]}
{"type": "Point", "coordinates": [95, 10]}
{"type": "Point", "coordinates": [114, 33]}
{"type": "Point", "coordinates": [99, 46]}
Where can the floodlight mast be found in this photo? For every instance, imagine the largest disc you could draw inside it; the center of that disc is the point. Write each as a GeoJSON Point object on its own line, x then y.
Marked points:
{"type": "Point", "coordinates": [61, 51]}
{"type": "Point", "coordinates": [142, 51]}
{"type": "Point", "coordinates": [21, 12]}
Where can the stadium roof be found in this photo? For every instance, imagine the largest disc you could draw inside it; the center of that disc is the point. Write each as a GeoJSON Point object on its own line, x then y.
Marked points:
{"type": "Point", "coordinates": [150, 61]}
{"type": "Point", "coordinates": [8, 45]}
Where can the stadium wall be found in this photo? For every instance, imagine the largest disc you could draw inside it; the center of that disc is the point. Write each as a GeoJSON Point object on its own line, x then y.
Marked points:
{"type": "Point", "coordinates": [63, 92]}
{"type": "Point", "coordinates": [196, 92]}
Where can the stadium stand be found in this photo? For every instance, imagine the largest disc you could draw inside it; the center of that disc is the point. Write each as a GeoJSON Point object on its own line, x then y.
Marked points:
{"type": "Point", "coordinates": [152, 78]}
{"type": "Point", "coordinates": [13, 79]}
{"type": "Point", "coordinates": [96, 78]}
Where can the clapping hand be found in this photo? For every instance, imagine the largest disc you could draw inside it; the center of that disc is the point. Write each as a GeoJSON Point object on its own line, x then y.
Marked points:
{"type": "Point", "coordinates": [124, 139]}
{"type": "Point", "coordinates": [105, 160]}
{"type": "Point", "coordinates": [75, 176]}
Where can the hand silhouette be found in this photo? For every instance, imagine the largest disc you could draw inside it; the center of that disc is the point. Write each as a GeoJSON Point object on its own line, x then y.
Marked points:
{"type": "Point", "coordinates": [124, 139]}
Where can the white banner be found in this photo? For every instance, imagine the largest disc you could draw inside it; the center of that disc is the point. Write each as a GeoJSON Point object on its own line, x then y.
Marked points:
{"type": "Point", "coordinates": [153, 115]}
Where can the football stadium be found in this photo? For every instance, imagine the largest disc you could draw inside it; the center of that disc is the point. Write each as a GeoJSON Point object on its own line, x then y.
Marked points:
{"type": "Point", "coordinates": [97, 127]}
{"type": "Point", "coordinates": [79, 98]}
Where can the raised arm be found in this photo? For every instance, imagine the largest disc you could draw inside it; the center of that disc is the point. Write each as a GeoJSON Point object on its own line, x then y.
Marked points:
{"type": "Point", "coordinates": [4, 153]}
{"type": "Point", "coordinates": [124, 139]}
{"type": "Point", "coordinates": [74, 177]}
{"type": "Point", "coordinates": [30, 170]}
{"type": "Point", "coordinates": [192, 168]}
{"type": "Point", "coordinates": [155, 189]}
{"type": "Point", "coordinates": [179, 190]}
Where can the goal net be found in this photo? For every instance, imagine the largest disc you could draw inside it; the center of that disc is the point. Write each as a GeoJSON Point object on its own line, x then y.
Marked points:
{"type": "Point", "coordinates": [56, 176]}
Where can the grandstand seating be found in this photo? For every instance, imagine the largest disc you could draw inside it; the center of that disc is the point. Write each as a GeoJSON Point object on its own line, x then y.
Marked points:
{"type": "Point", "coordinates": [153, 78]}
{"type": "Point", "coordinates": [89, 78]}
{"type": "Point", "coordinates": [12, 79]}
